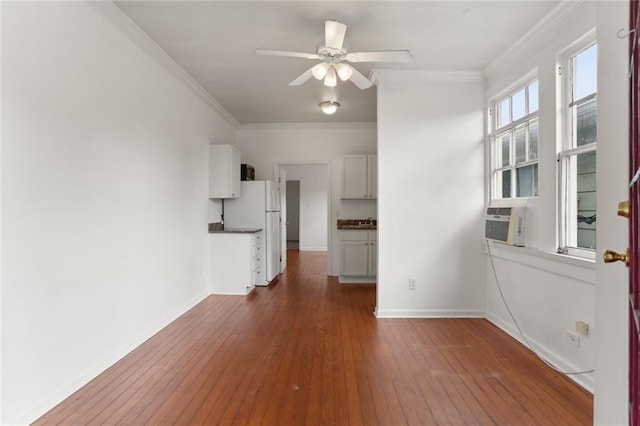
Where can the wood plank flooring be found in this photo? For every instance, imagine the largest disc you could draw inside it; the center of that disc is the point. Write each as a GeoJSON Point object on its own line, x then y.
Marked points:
{"type": "Point", "coordinates": [309, 351]}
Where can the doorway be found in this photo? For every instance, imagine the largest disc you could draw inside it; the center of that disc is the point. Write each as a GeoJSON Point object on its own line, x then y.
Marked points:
{"type": "Point", "coordinates": [293, 214]}
{"type": "Point", "coordinates": [314, 206]}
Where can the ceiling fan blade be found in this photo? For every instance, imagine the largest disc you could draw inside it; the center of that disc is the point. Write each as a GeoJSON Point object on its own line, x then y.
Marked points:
{"type": "Point", "coordinates": [303, 77]}
{"type": "Point", "coordinates": [287, 53]}
{"type": "Point", "coordinates": [380, 56]}
{"type": "Point", "coordinates": [358, 79]}
{"type": "Point", "coordinates": [334, 32]}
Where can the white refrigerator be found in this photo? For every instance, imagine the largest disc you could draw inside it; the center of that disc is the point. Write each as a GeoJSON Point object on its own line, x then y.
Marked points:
{"type": "Point", "coordinates": [259, 207]}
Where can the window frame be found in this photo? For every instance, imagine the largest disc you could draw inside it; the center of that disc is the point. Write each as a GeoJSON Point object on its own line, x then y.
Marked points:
{"type": "Point", "coordinates": [496, 133]}
{"type": "Point", "coordinates": [567, 148]}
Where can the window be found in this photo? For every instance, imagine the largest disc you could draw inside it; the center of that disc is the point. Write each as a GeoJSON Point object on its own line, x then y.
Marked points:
{"type": "Point", "coordinates": [514, 143]}
{"type": "Point", "coordinates": [577, 153]}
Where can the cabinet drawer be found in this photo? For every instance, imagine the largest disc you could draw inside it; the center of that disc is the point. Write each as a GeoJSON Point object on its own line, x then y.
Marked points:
{"type": "Point", "coordinates": [256, 261]}
{"type": "Point", "coordinates": [258, 277]}
{"type": "Point", "coordinates": [354, 235]}
{"type": "Point", "coordinates": [373, 235]}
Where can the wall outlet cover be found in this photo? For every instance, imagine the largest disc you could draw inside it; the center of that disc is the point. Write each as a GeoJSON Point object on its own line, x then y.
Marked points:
{"type": "Point", "coordinates": [572, 338]}
{"type": "Point", "coordinates": [412, 283]}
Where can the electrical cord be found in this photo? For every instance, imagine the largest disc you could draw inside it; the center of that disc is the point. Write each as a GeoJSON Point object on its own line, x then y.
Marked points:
{"type": "Point", "coordinates": [527, 342]}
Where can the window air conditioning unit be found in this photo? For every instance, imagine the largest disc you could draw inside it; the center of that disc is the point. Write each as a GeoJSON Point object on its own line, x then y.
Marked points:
{"type": "Point", "coordinates": [506, 225]}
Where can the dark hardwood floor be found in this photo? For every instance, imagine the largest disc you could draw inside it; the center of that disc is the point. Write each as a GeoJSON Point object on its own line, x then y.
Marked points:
{"type": "Point", "coordinates": [307, 350]}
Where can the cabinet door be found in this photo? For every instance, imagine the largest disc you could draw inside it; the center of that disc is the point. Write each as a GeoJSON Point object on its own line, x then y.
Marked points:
{"type": "Point", "coordinates": [372, 164]}
{"type": "Point", "coordinates": [231, 269]}
{"type": "Point", "coordinates": [234, 176]}
{"type": "Point", "coordinates": [354, 177]}
{"type": "Point", "coordinates": [355, 258]}
{"type": "Point", "coordinates": [224, 171]}
{"type": "Point", "coordinates": [373, 258]}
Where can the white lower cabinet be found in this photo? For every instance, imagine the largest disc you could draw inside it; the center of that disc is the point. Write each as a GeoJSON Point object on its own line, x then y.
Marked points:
{"type": "Point", "coordinates": [358, 253]}
{"type": "Point", "coordinates": [235, 262]}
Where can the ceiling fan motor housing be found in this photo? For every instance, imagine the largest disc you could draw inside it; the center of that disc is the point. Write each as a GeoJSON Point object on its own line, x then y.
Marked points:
{"type": "Point", "coordinates": [331, 53]}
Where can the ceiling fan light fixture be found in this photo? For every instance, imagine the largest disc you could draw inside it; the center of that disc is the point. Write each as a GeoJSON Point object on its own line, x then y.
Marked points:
{"type": "Point", "coordinates": [320, 70]}
{"type": "Point", "coordinates": [344, 71]}
{"type": "Point", "coordinates": [331, 79]}
{"type": "Point", "coordinates": [329, 107]}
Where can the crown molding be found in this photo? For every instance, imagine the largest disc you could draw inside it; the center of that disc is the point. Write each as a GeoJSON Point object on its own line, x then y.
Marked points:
{"type": "Point", "coordinates": [309, 126]}
{"type": "Point", "coordinates": [133, 32]}
{"type": "Point", "coordinates": [426, 76]}
{"type": "Point", "coordinates": [541, 28]}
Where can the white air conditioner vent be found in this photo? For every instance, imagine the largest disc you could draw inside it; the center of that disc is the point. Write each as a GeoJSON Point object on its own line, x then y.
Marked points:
{"type": "Point", "coordinates": [506, 225]}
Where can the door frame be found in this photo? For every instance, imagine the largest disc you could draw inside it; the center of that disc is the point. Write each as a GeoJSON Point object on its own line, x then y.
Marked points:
{"type": "Point", "coordinates": [330, 239]}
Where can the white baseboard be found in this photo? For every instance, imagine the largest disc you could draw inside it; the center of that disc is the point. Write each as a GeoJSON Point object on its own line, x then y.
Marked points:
{"type": "Point", "coordinates": [38, 409]}
{"type": "Point", "coordinates": [427, 313]}
{"type": "Point", "coordinates": [313, 248]}
{"type": "Point", "coordinates": [356, 280]}
{"type": "Point", "coordinates": [586, 381]}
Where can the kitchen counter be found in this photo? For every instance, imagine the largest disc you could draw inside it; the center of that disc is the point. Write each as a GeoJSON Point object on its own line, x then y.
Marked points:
{"type": "Point", "coordinates": [358, 224]}
{"type": "Point", "coordinates": [217, 228]}
{"type": "Point", "coordinates": [236, 231]}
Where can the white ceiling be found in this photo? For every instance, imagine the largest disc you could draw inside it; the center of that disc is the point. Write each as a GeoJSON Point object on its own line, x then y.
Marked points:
{"type": "Point", "coordinates": [215, 42]}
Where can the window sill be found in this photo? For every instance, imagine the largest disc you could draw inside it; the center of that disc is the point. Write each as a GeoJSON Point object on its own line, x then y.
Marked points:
{"type": "Point", "coordinates": [560, 264]}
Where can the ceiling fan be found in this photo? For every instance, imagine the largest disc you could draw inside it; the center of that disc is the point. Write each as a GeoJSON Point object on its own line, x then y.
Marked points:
{"type": "Point", "coordinates": [332, 52]}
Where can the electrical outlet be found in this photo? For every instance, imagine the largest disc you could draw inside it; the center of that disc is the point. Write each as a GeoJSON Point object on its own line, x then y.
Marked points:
{"type": "Point", "coordinates": [412, 283]}
{"type": "Point", "coordinates": [572, 338]}
{"type": "Point", "coordinates": [582, 327]}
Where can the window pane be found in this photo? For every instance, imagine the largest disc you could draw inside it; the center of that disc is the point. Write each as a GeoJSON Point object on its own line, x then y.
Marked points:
{"type": "Point", "coordinates": [503, 115]}
{"type": "Point", "coordinates": [527, 181]}
{"type": "Point", "coordinates": [586, 123]}
{"type": "Point", "coordinates": [505, 141]}
{"type": "Point", "coordinates": [586, 200]}
{"type": "Point", "coordinates": [586, 72]}
{"type": "Point", "coordinates": [533, 97]}
{"type": "Point", "coordinates": [533, 140]}
{"type": "Point", "coordinates": [521, 144]}
{"type": "Point", "coordinates": [519, 105]}
{"type": "Point", "coordinates": [506, 184]}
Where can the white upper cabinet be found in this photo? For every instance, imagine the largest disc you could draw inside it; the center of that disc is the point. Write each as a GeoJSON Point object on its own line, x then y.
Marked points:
{"type": "Point", "coordinates": [372, 175]}
{"type": "Point", "coordinates": [360, 177]}
{"type": "Point", "coordinates": [224, 171]}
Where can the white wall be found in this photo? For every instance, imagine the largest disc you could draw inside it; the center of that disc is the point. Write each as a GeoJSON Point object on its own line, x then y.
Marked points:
{"type": "Point", "coordinates": [546, 296]}
{"type": "Point", "coordinates": [549, 292]}
{"type": "Point", "coordinates": [314, 198]}
{"type": "Point", "coordinates": [611, 290]}
{"type": "Point", "coordinates": [265, 145]}
{"type": "Point", "coordinates": [104, 199]}
{"type": "Point", "coordinates": [430, 193]}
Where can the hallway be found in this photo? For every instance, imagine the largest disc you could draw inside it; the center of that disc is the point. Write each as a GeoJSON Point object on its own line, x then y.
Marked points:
{"type": "Point", "coordinates": [307, 350]}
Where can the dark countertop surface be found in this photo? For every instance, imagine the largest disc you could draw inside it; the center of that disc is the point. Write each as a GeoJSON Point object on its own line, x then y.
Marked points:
{"type": "Point", "coordinates": [235, 231]}
{"type": "Point", "coordinates": [357, 224]}
{"type": "Point", "coordinates": [219, 228]}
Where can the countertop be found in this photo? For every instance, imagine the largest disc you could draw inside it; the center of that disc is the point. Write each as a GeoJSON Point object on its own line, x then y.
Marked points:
{"type": "Point", "coordinates": [358, 224]}
{"type": "Point", "coordinates": [236, 231]}
{"type": "Point", "coordinates": [218, 228]}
